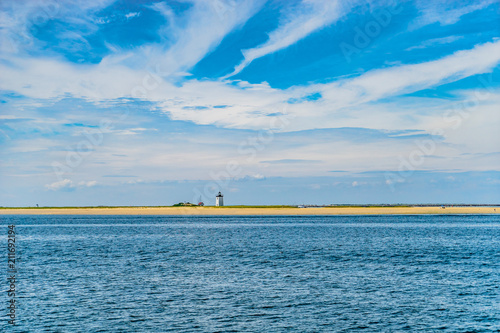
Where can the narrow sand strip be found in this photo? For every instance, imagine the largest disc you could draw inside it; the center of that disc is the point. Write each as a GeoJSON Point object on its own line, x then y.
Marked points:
{"type": "Point", "coordinates": [251, 211]}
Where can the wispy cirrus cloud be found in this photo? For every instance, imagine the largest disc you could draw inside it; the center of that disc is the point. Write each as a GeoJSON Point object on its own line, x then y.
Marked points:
{"type": "Point", "coordinates": [446, 12]}
{"type": "Point", "coordinates": [298, 23]}
{"type": "Point", "coordinates": [20, 20]}
{"type": "Point", "coordinates": [184, 37]}
{"type": "Point", "coordinates": [435, 41]}
{"type": "Point", "coordinates": [414, 77]}
{"type": "Point", "coordinates": [197, 33]}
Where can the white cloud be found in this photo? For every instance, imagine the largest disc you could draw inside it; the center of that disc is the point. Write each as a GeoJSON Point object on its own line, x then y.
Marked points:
{"type": "Point", "coordinates": [195, 154]}
{"type": "Point", "coordinates": [253, 106]}
{"type": "Point", "coordinates": [59, 185]}
{"type": "Point", "coordinates": [381, 83]}
{"type": "Point", "coordinates": [19, 19]}
{"type": "Point", "coordinates": [123, 74]}
{"type": "Point", "coordinates": [198, 33]}
{"type": "Point", "coordinates": [132, 15]}
{"type": "Point", "coordinates": [435, 41]}
{"type": "Point", "coordinates": [67, 184]}
{"type": "Point", "coordinates": [90, 183]}
{"type": "Point", "coordinates": [300, 22]}
{"type": "Point", "coordinates": [245, 105]}
{"type": "Point", "coordinates": [250, 108]}
{"type": "Point", "coordinates": [446, 12]}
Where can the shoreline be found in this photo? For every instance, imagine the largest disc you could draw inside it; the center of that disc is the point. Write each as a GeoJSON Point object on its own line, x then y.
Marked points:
{"type": "Point", "coordinates": [226, 211]}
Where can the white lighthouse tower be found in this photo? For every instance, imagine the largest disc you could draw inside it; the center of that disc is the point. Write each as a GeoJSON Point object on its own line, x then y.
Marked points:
{"type": "Point", "coordinates": [219, 200]}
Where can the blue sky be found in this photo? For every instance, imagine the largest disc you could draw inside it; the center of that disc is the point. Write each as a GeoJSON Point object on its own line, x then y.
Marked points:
{"type": "Point", "coordinates": [271, 102]}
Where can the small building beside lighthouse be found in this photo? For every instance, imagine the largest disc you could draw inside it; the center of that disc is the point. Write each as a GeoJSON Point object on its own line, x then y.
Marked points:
{"type": "Point", "coordinates": [219, 200]}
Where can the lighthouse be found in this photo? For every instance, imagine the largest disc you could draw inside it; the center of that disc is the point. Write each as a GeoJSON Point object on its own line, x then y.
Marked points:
{"type": "Point", "coordinates": [219, 200]}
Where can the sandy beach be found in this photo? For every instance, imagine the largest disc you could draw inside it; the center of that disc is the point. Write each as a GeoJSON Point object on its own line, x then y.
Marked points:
{"type": "Point", "coordinates": [251, 211]}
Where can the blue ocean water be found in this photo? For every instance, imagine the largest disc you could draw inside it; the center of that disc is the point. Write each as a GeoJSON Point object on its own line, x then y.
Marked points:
{"type": "Point", "coordinates": [256, 274]}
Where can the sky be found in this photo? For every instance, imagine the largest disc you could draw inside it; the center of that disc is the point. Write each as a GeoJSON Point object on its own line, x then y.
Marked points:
{"type": "Point", "coordinates": [140, 102]}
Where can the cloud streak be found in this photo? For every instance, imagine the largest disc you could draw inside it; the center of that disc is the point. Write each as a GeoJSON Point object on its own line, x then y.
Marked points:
{"type": "Point", "coordinates": [381, 83]}
{"type": "Point", "coordinates": [308, 17]}
{"type": "Point", "coordinates": [19, 20]}
{"type": "Point", "coordinates": [435, 41]}
{"type": "Point", "coordinates": [446, 12]}
{"type": "Point", "coordinates": [193, 39]}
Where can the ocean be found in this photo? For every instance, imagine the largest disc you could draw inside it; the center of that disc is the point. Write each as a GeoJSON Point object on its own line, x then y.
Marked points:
{"type": "Point", "coordinates": [254, 274]}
